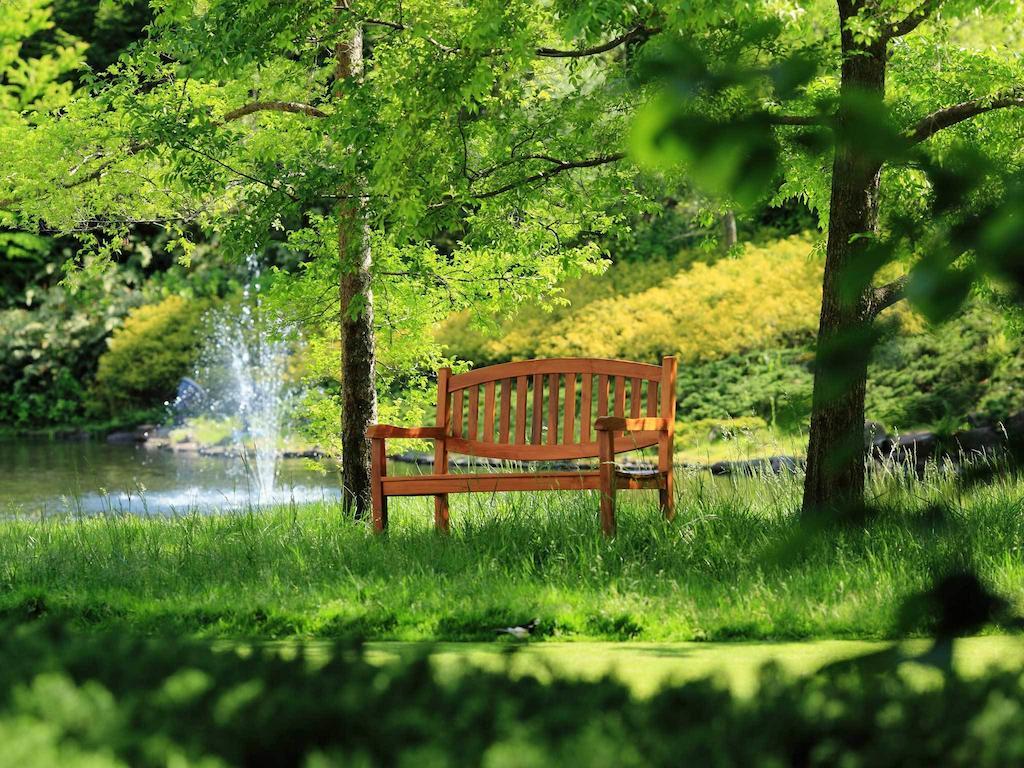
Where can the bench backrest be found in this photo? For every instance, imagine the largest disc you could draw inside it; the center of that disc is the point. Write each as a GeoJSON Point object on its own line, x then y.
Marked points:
{"type": "Point", "coordinates": [543, 410]}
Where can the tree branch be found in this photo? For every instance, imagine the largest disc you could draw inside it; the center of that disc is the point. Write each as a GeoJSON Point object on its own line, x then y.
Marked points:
{"type": "Point", "coordinates": [639, 32]}
{"type": "Point", "coordinates": [808, 120]}
{"type": "Point", "coordinates": [884, 296]}
{"type": "Point", "coordinates": [73, 181]}
{"type": "Point", "coordinates": [273, 106]}
{"type": "Point", "coordinates": [931, 124]}
{"type": "Point", "coordinates": [912, 20]}
{"type": "Point", "coordinates": [554, 170]}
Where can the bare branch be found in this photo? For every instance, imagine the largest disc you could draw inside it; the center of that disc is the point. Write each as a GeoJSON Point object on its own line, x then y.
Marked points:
{"type": "Point", "coordinates": [273, 106]}
{"type": "Point", "coordinates": [639, 32]}
{"type": "Point", "coordinates": [931, 124]}
{"type": "Point", "coordinates": [884, 296]}
{"type": "Point", "coordinates": [547, 173]}
{"type": "Point", "coordinates": [912, 20]}
{"type": "Point", "coordinates": [803, 120]}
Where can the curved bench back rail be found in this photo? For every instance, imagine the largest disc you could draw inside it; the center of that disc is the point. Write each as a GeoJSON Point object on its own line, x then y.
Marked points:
{"type": "Point", "coordinates": [544, 410]}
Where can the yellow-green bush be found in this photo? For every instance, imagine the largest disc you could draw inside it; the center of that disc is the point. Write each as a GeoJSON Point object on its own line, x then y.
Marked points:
{"type": "Point", "coordinates": [146, 357]}
{"type": "Point", "coordinates": [697, 310]}
{"type": "Point", "coordinates": [520, 336]}
{"type": "Point", "coordinates": [762, 296]}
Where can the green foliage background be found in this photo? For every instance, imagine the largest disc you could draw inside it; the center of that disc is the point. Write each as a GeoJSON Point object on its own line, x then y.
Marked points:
{"type": "Point", "coordinates": [743, 326]}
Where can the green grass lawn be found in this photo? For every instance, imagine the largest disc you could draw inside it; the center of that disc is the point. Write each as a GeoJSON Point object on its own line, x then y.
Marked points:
{"type": "Point", "coordinates": [733, 566]}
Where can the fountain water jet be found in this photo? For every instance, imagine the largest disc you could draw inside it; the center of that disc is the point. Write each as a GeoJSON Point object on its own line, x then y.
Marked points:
{"type": "Point", "coordinates": [246, 363]}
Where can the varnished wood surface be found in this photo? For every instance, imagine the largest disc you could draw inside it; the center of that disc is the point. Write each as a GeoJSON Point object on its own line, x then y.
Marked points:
{"type": "Point", "coordinates": [633, 407]}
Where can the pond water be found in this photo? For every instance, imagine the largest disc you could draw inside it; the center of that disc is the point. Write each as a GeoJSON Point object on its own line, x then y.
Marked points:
{"type": "Point", "coordinates": [49, 477]}
{"type": "Point", "coordinates": [91, 477]}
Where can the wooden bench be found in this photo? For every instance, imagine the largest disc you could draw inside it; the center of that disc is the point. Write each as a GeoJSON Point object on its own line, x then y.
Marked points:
{"type": "Point", "coordinates": [540, 410]}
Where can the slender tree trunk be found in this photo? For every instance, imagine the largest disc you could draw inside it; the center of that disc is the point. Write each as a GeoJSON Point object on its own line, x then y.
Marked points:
{"type": "Point", "coordinates": [729, 229]}
{"type": "Point", "coordinates": [358, 362]}
{"type": "Point", "coordinates": [835, 454]}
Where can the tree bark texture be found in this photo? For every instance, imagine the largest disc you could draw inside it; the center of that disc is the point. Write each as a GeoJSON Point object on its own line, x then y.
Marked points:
{"type": "Point", "coordinates": [835, 453]}
{"type": "Point", "coordinates": [729, 229]}
{"type": "Point", "coordinates": [358, 361]}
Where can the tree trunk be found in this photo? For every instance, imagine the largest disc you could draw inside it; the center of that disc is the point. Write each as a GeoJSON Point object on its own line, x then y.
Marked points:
{"type": "Point", "coordinates": [358, 362]}
{"type": "Point", "coordinates": [729, 229]}
{"type": "Point", "coordinates": [835, 453]}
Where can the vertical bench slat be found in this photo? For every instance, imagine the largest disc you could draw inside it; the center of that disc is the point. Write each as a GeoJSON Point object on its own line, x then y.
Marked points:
{"type": "Point", "coordinates": [553, 388]}
{"type": "Point", "coordinates": [444, 417]}
{"type": "Point", "coordinates": [538, 407]}
{"type": "Point", "coordinates": [569, 433]}
{"type": "Point", "coordinates": [620, 396]}
{"type": "Point", "coordinates": [506, 410]}
{"type": "Point", "coordinates": [636, 398]}
{"type": "Point", "coordinates": [652, 398]}
{"type": "Point", "coordinates": [586, 404]}
{"type": "Point", "coordinates": [474, 412]}
{"type": "Point", "coordinates": [488, 436]}
{"type": "Point", "coordinates": [521, 395]}
{"type": "Point", "coordinates": [457, 413]}
{"type": "Point", "coordinates": [602, 395]}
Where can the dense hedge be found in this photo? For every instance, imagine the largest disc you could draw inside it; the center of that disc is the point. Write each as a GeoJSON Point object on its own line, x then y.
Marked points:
{"type": "Point", "coordinates": [116, 699]}
{"type": "Point", "coordinates": [150, 351]}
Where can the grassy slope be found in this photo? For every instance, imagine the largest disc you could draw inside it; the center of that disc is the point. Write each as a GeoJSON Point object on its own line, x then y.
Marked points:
{"type": "Point", "coordinates": [715, 574]}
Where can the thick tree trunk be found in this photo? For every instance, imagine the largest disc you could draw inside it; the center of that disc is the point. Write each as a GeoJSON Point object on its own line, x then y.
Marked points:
{"type": "Point", "coordinates": [729, 229]}
{"type": "Point", "coordinates": [358, 362]}
{"type": "Point", "coordinates": [835, 454]}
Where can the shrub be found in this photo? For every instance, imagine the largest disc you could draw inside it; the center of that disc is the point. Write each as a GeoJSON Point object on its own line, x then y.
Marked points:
{"type": "Point", "coordinates": [772, 384]}
{"type": "Point", "coordinates": [945, 373]}
{"type": "Point", "coordinates": [146, 357]}
{"type": "Point", "coordinates": [48, 352]}
{"type": "Point", "coordinates": [521, 335]}
{"type": "Point", "coordinates": [641, 311]}
{"type": "Point", "coordinates": [765, 296]}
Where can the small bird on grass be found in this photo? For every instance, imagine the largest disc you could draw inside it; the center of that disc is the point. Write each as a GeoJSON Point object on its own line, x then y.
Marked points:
{"type": "Point", "coordinates": [519, 632]}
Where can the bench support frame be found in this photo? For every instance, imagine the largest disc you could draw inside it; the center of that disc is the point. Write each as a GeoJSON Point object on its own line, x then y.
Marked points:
{"type": "Point", "coordinates": [614, 434]}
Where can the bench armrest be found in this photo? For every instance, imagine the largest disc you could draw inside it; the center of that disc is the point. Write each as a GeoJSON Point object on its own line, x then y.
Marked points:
{"type": "Point", "coordinates": [388, 430]}
{"type": "Point", "coordinates": [619, 424]}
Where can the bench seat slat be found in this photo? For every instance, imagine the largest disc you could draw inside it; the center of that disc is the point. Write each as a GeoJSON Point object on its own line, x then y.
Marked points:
{"type": "Point", "coordinates": [620, 396]}
{"type": "Point", "coordinates": [538, 408]}
{"type": "Point", "coordinates": [423, 485]}
{"type": "Point", "coordinates": [488, 435]}
{"type": "Point", "coordinates": [652, 398]}
{"type": "Point", "coordinates": [586, 406]}
{"type": "Point", "coordinates": [569, 431]}
{"type": "Point", "coordinates": [553, 387]}
{"type": "Point", "coordinates": [474, 412]}
{"type": "Point", "coordinates": [521, 400]}
{"type": "Point", "coordinates": [506, 410]}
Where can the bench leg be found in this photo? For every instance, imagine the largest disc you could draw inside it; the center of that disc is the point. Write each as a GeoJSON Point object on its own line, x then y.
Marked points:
{"type": "Point", "coordinates": [666, 494]}
{"type": "Point", "coordinates": [667, 498]}
{"type": "Point", "coordinates": [441, 513]}
{"type": "Point", "coordinates": [606, 456]}
{"type": "Point", "coordinates": [378, 468]}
